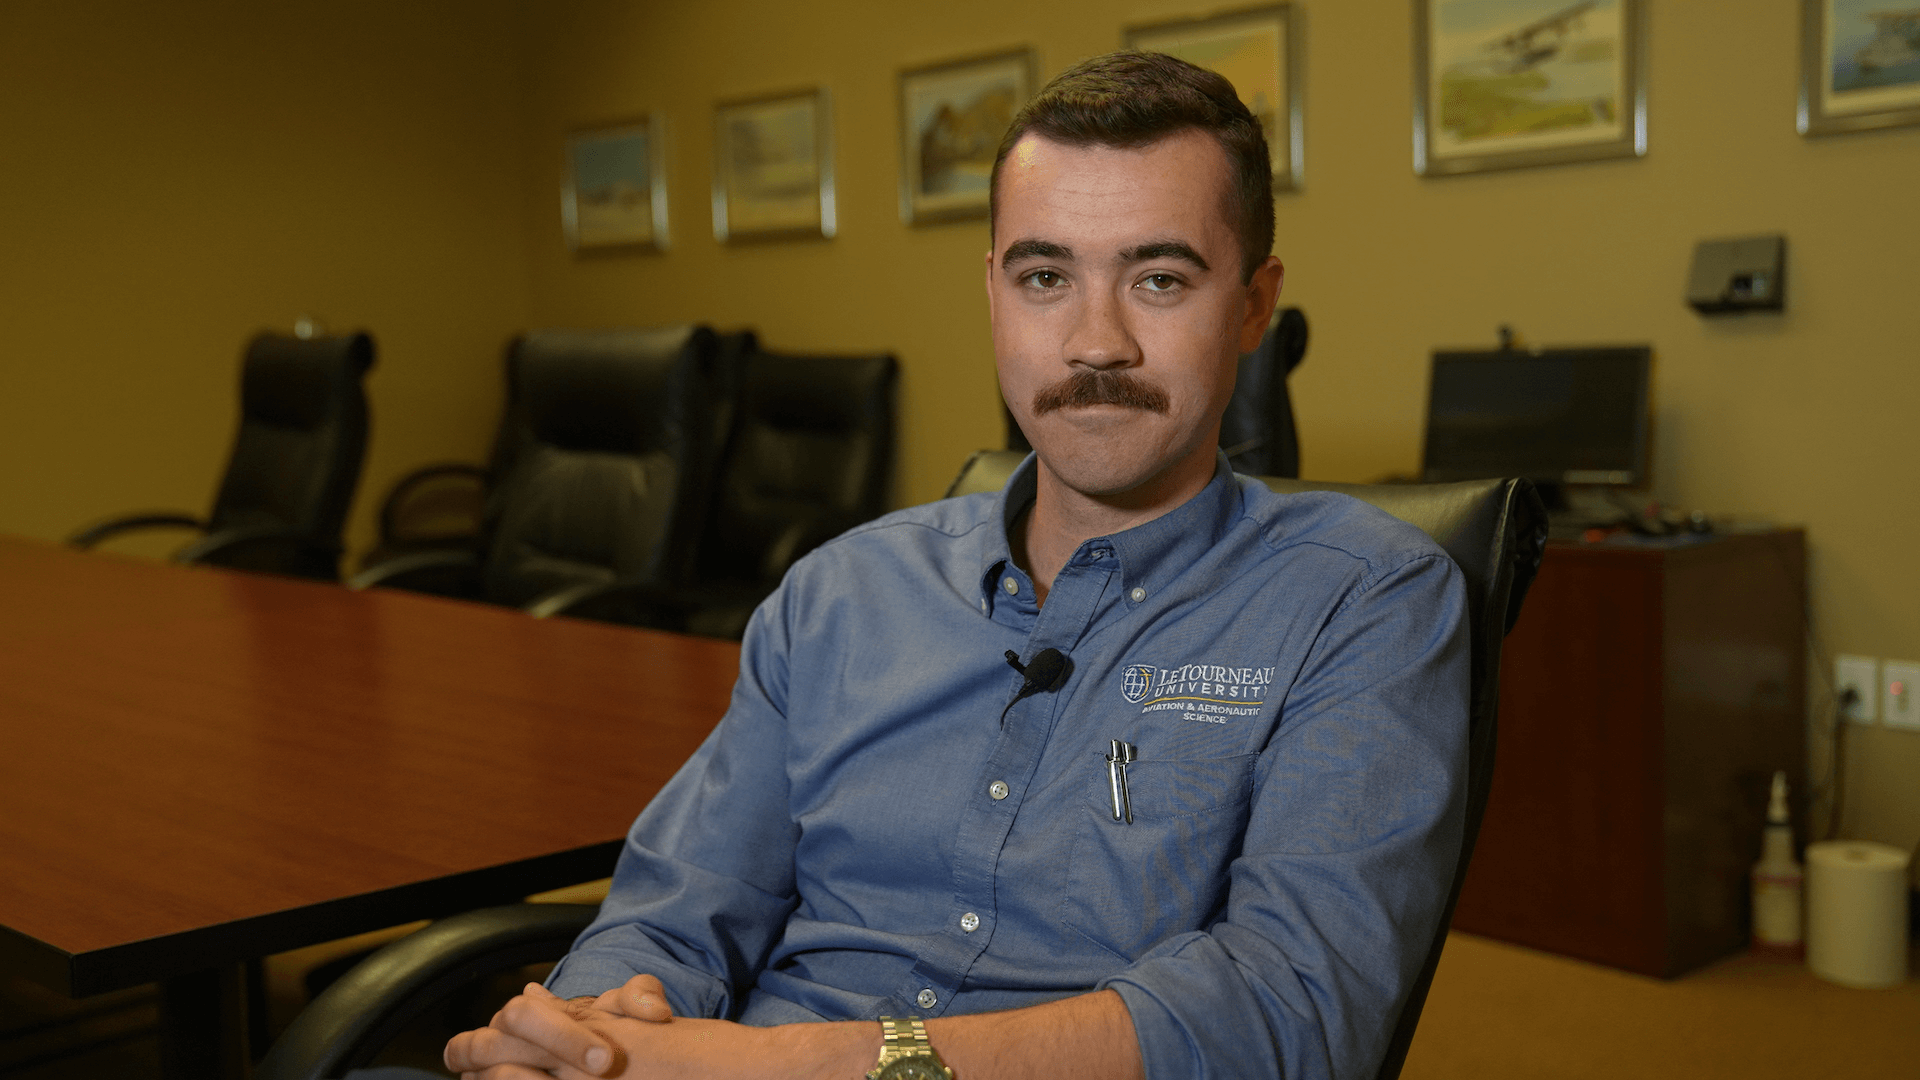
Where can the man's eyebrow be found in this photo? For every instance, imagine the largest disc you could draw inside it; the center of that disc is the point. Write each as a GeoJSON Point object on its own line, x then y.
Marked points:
{"type": "Point", "coordinates": [1034, 249]}
{"type": "Point", "coordinates": [1164, 249]}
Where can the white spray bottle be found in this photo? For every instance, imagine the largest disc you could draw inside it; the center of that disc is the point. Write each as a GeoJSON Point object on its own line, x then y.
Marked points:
{"type": "Point", "coordinates": [1776, 883]}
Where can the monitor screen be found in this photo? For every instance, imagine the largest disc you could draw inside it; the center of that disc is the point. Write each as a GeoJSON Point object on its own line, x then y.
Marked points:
{"type": "Point", "coordinates": [1558, 416]}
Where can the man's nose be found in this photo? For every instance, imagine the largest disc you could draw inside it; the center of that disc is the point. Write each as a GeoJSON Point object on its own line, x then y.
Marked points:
{"type": "Point", "coordinates": [1101, 338]}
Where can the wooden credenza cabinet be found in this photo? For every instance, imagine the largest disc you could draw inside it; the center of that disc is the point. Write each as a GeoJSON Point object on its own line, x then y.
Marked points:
{"type": "Point", "coordinates": [1648, 692]}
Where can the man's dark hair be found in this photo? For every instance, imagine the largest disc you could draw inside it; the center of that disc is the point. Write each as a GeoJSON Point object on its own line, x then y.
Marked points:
{"type": "Point", "coordinates": [1131, 99]}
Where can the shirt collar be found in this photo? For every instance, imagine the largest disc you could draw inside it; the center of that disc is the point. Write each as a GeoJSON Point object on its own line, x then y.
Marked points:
{"type": "Point", "coordinates": [1150, 554]}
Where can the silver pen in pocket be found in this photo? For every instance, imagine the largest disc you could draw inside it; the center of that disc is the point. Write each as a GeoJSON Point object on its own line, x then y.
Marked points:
{"type": "Point", "coordinates": [1117, 761]}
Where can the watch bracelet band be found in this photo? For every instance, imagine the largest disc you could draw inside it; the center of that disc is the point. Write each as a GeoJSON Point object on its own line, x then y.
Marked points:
{"type": "Point", "coordinates": [903, 1036]}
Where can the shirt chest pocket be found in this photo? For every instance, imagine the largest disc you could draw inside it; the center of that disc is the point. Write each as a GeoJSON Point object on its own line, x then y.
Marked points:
{"type": "Point", "coordinates": [1132, 885]}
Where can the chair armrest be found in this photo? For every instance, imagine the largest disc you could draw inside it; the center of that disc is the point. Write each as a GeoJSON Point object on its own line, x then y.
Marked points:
{"type": "Point", "coordinates": [442, 571]}
{"type": "Point", "coordinates": [268, 548]}
{"type": "Point", "coordinates": [361, 1012]}
{"type": "Point", "coordinates": [95, 533]}
{"type": "Point", "coordinates": [403, 489]}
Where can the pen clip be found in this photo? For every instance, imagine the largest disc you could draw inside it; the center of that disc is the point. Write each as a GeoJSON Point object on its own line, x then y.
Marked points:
{"type": "Point", "coordinates": [1119, 756]}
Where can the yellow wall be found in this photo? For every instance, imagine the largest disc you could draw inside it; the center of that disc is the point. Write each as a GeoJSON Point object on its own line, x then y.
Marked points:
{"type": "Point", "coordinates": [175, 177]}
{"type": "Point", "coordinates": [1805, 418]}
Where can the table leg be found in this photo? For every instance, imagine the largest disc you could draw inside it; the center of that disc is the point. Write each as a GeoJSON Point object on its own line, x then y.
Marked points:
{"type": "Point", "coordinates": [203, 1025]}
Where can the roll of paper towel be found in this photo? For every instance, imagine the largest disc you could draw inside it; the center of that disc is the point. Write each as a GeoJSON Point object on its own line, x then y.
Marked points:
{"type": "Point", "coordinates": [1857, 913]}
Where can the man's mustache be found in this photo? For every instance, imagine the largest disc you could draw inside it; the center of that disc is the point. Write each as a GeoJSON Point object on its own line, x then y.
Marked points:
{"type": "Point", "coordinates": [1091, 387]}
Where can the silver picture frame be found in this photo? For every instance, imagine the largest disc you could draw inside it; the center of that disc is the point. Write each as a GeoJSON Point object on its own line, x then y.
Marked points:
{"type": "Point", "coordinates": [953, 115]}
{"type": "Point", "coordinates": [773, 167]}
{"type": "Point", "coordinates": [614, 193]}
{"type": "Point", "coordinates": [1480, 70]}
{"type": "Point", "coordinates": [1859, 66]}
{"type": "Point", "coordinates": [1261, 50]}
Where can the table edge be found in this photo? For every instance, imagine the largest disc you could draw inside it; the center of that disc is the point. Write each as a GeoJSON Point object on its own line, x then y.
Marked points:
{"type": "Point", "coordinates": [117, 967]}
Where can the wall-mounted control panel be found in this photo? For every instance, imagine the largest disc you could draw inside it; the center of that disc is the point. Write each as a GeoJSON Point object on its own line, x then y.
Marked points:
{"type": "Point", "coordinates": [1733, 277]}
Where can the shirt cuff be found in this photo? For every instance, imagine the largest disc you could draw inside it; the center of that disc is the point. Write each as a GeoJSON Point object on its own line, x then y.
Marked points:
{"type": "Point", "coordinates": [587, 974]}
{"type": "Point", "coordinates": [580, 975]}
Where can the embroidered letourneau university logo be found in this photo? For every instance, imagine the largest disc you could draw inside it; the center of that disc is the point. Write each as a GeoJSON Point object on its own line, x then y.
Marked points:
{"type": "Point", "coordinates": [1204, 693]}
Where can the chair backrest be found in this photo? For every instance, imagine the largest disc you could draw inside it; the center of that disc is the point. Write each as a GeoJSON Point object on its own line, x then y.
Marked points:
{"type": "Point", "coordinates": [1496, 532]}
{"type": "Point", "coordinates": [301, 440]}
{"type": "Point", "coordinates": [600, 459]}
{"type": "Point", "coordinates": [808, 454]}
{"type": "Point", "coordinates": [1257, 431]}
{"type": "Point", "coordinates": [985, 470]}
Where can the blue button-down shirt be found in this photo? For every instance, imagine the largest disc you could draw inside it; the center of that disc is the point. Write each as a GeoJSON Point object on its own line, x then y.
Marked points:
{"type": "Point", "coordinates": [874, 829]}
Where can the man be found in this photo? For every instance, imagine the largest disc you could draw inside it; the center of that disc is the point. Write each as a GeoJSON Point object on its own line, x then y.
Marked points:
{"type": "Point", "coordinates": [1206, 831]}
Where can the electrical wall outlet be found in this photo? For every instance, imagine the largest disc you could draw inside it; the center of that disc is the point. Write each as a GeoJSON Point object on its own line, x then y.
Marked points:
{"type": "Point", "coordinates": [1900, 694]}
{"type": "Point", "coordinates": [1861, 675]}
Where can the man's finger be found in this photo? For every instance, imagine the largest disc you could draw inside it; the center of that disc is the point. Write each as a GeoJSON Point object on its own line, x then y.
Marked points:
{"type": "Point", "coordinates": [640, 998]}
{"type": "Point", "coordinates": [486, 1047]}
{"type": "Point", "coordinates": [541, 1018]}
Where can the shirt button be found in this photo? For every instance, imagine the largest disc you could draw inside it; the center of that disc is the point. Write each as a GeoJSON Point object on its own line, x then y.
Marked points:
{"type": "Point", "coordinates": [969, 922]}
{"type": "Point", "coordinates": [1010, 585]}
{"type": "Point", "coordinates": [1138, 594]}
{"type": "Point", "coordinates": [927, 998]}
{"type": "Point", "coordinates": [983, 605]}
{"type": "Point", "coordinates": [997, 789]}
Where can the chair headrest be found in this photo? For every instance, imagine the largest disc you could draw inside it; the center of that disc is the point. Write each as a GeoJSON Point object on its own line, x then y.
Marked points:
{"type": "Point", "coordinates": [301, 382]}
{"type": "Point", "coordinates": [604, 390]}
{"type": "Point", "coordinates": [814, 393]}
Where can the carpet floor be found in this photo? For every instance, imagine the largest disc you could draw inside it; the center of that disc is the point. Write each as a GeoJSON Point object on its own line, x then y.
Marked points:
{"type": "Point", "coordinates": [1499, 1010]}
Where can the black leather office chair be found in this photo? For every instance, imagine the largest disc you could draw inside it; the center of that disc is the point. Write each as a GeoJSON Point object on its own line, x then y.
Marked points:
{"type": "Point", "coordinates": [808, 454]}
{"type": "Point", "coordinates": [1495, 530]}
{"type": "Point", "coordinates": [1257, 431]}
{"type": "Point", "coordinates": [296, 458]}
{"type": "Point", "coordinates": [595, 478]}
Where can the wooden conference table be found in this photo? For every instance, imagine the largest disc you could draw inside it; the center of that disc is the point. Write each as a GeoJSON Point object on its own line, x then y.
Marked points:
{"type": "Point", "coordinates": [199, 767]}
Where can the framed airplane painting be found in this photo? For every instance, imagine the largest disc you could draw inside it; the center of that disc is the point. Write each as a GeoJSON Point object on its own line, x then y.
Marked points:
{"type": "Point", "coordinates": [1507, 84]}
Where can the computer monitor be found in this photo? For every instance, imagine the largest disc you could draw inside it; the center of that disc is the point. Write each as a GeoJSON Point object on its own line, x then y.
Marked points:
{"type": "Point", "coordinates": [1555, 416]}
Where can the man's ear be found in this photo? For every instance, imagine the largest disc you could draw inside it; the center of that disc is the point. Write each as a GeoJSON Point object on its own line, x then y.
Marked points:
{"type": "Point", "coordinates": [1263, 292]}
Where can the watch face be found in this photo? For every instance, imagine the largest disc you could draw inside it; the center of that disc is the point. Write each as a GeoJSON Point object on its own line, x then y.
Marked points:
{"type": "Point", "coordinates": [914, 1068]}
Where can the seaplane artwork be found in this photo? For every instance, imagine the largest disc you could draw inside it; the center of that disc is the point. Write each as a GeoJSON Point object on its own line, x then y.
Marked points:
{"type": "Point", "coordinates": [1546, 68]}
{"type": "Point", "coordinates": [1538, 41]}
{"type": "Point", "coordinates": [1529, 82]}
{"type": "Point", "coordinates": [1896, 40]}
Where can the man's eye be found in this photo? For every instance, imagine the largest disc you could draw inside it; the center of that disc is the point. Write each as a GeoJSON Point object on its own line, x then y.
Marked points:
{"type": "Point", "coordinates": [1045, 279]}
{"type": "Point", "coordinates": [1160, 283]}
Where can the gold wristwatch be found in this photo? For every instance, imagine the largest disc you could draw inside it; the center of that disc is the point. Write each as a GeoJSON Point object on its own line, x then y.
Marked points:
{"type": "Point", "coordinates": [905, 1053]}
